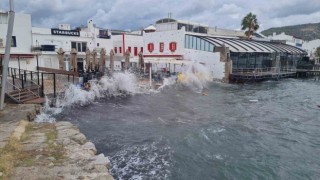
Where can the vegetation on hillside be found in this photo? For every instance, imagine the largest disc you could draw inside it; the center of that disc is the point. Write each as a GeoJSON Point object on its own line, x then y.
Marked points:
{"type": "Point", "coordinates": [307, 32]}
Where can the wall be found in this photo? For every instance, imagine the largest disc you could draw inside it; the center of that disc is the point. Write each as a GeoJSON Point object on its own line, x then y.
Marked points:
{"type": "Point", "coordinates": [210, 59]}
{"type": "Point", "coordinates": [166, 37]}
{"type": "Point", "coordinates": [311, 46]}
{"type": "Point", "coordinates": [22, 31]}
{"type": "Point", "coordinates": [130, 41]}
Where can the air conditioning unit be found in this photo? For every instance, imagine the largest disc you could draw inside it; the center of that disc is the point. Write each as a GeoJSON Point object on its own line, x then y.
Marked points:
{"type": "Point", "coordinates": [1, 42]}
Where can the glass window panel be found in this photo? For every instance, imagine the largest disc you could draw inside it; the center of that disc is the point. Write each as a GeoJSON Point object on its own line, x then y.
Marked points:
{"type": "Point", "coordinates": [79, 47]}
{"type": "Point", "coordinates": [198, 44]}
{"type": "Point", "coordinates": [194, 42]}
{"type": "Point", "coordinates": [73, 45]}
{"type": "Point", "coordinates": [187, 41]}
{"type": "Point", "coordinates": [84, 46]}
{"type": "Point", "coordinates": [207, 46]}
{"type": "Point", "coordinates": [251, 60]}
{"type": "Point", "coordinates": [202, 45]}
{"type": "Point", "coordinates": [211, 48]}
{"type": "Point", "coordinates": [242, 61]}
{"type": "Point", "coordinates": [190, 42]}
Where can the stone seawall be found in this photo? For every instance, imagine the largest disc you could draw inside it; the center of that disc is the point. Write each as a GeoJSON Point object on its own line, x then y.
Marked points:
{"type": "Point", "coordinates": [50, 151]}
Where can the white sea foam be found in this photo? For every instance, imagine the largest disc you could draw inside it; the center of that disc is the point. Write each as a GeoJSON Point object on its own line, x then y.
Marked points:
{"type": "Point", "coordinates": [117, 85]}
{"type": "Point", "coordinates": [142, 161]}
{"type": "Point", "coordinates": [195, 76]}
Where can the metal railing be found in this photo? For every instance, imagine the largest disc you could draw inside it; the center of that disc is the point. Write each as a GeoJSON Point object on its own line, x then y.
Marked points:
{"type": "Point", "coordinates": [14, 87]}
{"type": "Point", "coordinates": [43, 82]}
{"type": "Point", "coordinates": [261, 71]}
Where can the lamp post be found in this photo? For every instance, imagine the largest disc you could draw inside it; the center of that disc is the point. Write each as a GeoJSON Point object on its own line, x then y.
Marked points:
{"type": "Point", "coordinates": [5, 62]}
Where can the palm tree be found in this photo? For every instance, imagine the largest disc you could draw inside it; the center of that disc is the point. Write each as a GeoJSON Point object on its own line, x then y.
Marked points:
{"type": "Point", "coordinates": [250, 24]}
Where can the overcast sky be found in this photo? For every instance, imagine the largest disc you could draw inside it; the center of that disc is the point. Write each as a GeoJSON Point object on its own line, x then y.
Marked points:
{"type": "Point", "coordinates": [129, 14]}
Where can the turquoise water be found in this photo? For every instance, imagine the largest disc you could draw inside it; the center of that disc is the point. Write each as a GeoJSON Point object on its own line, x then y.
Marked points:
{"type": "Point", "coordinates": [269, 130]}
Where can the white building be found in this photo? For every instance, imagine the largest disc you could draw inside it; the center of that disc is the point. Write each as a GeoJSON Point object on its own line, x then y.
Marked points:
{"type": "Point", "coordinates": [21, 40]}
{"type": "Point", "coordinates": [172, 40]}
{"type": "Point", "coordinates": [311, 46]}
{"type": "Point", "coordinates": [291, 40]}
{"type": "Point", "coordinates": [32, 43]}
{"type": "Point", "coordinates": [46, 42]}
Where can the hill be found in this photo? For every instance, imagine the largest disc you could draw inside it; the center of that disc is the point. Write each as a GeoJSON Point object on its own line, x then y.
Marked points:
{"type": "Point", "coordinates": [305, 31]}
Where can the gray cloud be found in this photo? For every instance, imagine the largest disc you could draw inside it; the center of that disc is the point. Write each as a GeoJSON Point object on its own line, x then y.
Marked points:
{"type": "Point", "coordinates": [125, 14]}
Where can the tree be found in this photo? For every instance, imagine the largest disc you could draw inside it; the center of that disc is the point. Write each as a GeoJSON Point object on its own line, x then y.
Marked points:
{"type": "Point", "coordinates": [250, 24]}
{"type": "Point", "coordinates": [317, 52]}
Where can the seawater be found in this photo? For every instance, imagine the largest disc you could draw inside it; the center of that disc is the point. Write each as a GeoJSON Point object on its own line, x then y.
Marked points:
{"type": "Point", "coordinates": [268, 130]}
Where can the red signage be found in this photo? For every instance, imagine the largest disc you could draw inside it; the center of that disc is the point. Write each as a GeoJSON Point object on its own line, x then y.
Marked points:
{"type": "Point", "coordinates": [173, 46]}
{"type": "Point", "coordinates": [161, 47]}
{"type": "Point", "coordinates": [150, 47]}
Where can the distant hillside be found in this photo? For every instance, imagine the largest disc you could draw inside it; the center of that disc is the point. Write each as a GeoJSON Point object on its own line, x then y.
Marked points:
{"type": "Point", "coordinates": [305, 31]}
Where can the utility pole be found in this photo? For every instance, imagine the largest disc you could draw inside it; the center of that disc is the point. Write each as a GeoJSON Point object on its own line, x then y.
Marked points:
{"type": "Point", "coordinates": [5, 62]}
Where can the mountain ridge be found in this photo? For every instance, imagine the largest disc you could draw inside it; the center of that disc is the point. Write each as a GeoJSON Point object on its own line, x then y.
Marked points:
{"type": "Point", "coordinates": [306, 32]}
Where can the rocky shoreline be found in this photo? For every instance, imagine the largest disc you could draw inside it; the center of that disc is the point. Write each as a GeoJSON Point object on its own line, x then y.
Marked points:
{"type": "Point", "coordinates": [51, 151]}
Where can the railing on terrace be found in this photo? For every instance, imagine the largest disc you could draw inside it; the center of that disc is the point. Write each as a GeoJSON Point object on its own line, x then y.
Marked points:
{"type": "Point", "coordinates": [263, 71]}
{"type": "Point", "coordinates": [44, 82]}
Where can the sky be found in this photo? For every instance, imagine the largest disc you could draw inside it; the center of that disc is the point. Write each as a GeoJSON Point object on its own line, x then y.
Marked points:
{"type": "Point", "coordinates": [128, 14]}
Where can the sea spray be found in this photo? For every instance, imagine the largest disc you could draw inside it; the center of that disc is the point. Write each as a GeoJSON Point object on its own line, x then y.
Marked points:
{"type": "Point", "coordinates": [117, 85]}
{"type": "Point", "coordinates": [195, 76]}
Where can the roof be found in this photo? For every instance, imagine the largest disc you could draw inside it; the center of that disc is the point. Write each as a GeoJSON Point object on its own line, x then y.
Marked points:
{"type": "Point", "coordinates": [150, 28]}
{"type": "Point", "coordinates": [250, 46]}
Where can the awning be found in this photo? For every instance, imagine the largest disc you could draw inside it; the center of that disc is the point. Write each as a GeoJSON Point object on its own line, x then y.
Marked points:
{"type": "Point", "coordinates": [19, 55]}
{"type": "Point", "coordinates": [160, 60]}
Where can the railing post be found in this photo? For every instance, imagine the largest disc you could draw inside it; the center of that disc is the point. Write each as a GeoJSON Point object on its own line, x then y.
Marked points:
{"type": "Point", "coordinates": [31, 75]}
{"type": "Point", "coordinates": [68, 77]}
{"type": "Point", "coordinates": [14, 86]}
{"type": "Point", "coordinates": [73, 78]}
{"type": "Point", "coordinates": [38, 78]}
{"type": "Point", "coordinates": [25, 75]}
{"type": "Point", "coordinates": [54, 85]}
{"type": "Point", "coordinates": [42, 87]}
{"type": "Point", "coordinates": [22, 81]}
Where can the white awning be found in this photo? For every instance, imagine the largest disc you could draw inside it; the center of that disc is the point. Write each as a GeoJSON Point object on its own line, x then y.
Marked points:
{"type": "Point", "coordinates": [160, 60]}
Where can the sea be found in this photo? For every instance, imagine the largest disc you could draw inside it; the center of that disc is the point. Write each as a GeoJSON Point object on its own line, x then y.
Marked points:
{"type": "Point", "coordinates": [267, 130]}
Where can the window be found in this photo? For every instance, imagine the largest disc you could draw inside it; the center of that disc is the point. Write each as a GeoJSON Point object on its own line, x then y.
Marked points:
{"type": "Point", "coordinates": [141, 49]}
{"type": "Point", "coordinates": [115, 50]}
{"type": "Point", "coordinates": [79, 46]}
{"type": "Point", "coordinates": [186, 41]}
{"type": "Point", "coordinates": [73, 45]}
{"type": "Point", "coordinates": [84, 47]}
{"type": "Point", "coordinates": [47, 48]}
{"type": "Point", "coordinates": [120, 50]}
{"type": "Point", "coordinates": [198, 44]}
{"type": "Point", "coordinates": [3, 18]}
{"type": "Point", "coordinates": [129, 48]}
{"type": "Point", "coordinates": [13, 41]}
{"type": "Point", "coordinates": [161, 47]}
{"type": "Point", "coordinates": [193, 42]}
{"type": "Point", "coordinates": [98, 44]}
{"type": "Point", "coordinates": [135, 51]}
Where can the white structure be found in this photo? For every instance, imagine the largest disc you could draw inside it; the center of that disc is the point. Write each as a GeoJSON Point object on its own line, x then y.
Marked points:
{"type": "Point", "coordinates": [46, 42]}
{"type": "Point", "coordinates": [311, 46]}
{"type": "Point", "coordinates": [21, 40]}
{"type": "Point", "coordinates": [172, 44]}
{"type": "Point", "coordinates": [30, 43]}
{"type": "Point", "coordinates": [132, 42]}
{"type": "Point", "coordinates": [291, 40]}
